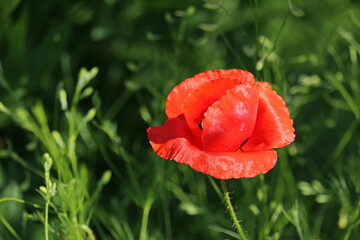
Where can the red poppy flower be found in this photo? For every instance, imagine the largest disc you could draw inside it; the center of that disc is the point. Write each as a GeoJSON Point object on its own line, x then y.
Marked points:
{"type": "Point", "coordinates": [224, 124]}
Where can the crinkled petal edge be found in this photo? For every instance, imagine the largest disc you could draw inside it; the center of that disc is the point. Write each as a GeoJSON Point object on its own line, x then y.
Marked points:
{"type": "Point", "coordinates": [173, 141]}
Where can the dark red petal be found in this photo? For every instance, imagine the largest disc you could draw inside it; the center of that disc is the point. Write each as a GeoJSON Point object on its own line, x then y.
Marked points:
{"type": "Point", "coordinates": [273, 128]}
{"type": "Point", "coordinates": [173, 140]}
{"type": "Point", "coordinates": [179, 93]}
{"type": "Point", "coordinates": [230, 121]}
{"type": "Point", "coordinates": [201, 98]}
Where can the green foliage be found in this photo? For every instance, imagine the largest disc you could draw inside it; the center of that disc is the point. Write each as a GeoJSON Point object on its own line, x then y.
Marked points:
{"type": "Point", "coordinates": [68, 193]}
{"type": "Point", "coordinates": [75, 162]}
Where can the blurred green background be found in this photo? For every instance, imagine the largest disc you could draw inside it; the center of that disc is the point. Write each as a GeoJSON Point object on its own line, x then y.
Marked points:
{"type": "Point", "coordinates": [308, 50]}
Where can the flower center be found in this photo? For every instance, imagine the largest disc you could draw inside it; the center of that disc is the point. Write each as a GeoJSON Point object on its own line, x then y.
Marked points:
{"type": "Point", "coordinates": [200, 125]}
{"type": "Point", "coordinates": [243, 143]}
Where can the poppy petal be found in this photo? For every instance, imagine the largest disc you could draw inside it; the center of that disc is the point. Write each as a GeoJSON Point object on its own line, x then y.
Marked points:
{"type": "Point", "coordinates": [200, 99]}
{"type": "Point", "coordinates": [229, 122]}
{"type": "Point", "coordinates": [273, 128]}
{"type": "Point", "coordinates": [173, 141]}
{"type": "Point", "coordinates": [179, 93]}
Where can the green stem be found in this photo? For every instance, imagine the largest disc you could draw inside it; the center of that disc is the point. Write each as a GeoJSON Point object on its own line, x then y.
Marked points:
{"type": "Point", "coordinates": [215, 186]}
{"type": "Point", "coordinates": [145, 219]}
{"type": "Point", "coordinates": [9, 228]}
{"type": "Point", "coordinates": [19, 201]}
{"type": "Point", "coordinates": [47, 220]}
{"type": "Point", "coordinates": [354, 222]}
{"type": "Point", "coordinates": [233, 51]}
{"type": "Point", "coordinates": [231, 210]}
{"type": "Point", "coordinates": [72, 132]}
{"type": "Point", "coordinates": [88, 231]}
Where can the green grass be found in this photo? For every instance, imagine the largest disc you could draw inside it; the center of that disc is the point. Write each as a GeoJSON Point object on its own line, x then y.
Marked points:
{"type": "Point", "coordinates": [75, 162]}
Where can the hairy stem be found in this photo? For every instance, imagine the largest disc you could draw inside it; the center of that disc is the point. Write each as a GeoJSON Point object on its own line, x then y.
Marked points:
{"type": "Point", "coordinates": [231, 211]}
